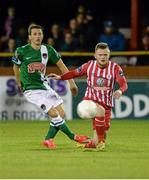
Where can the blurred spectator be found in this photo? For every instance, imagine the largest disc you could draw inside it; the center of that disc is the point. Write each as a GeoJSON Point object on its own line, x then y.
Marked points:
{"type": "Point", "coordinates": [21, 38]}
{"type": "Point", "coordinates": [86, 14]}
{"type": "Point", "coordinates": [11, 45]}
{"type": "Point", "coordinates": [70, 44]}
{"type": "Point", "coordinates": [0, 45]}
{"type": "Point", "coordinates": [77, 36]}
{"type": "Point", "coordinates": [89, 16]}
{"type": "Point", "coordinates": [73, 29]}
{"type": "Point", "coordinates": [81, 9]}
{"type": "Point", "coordinates": [145, 42]}
{"type": "Point", "coordinates": [10, 25]}
{"type": "Point", "coordinates": [115, 40]}
{"type": "Point", "coordinates": [57, 36]}
{"type": "Point", "coordinates": [144, 60]}
{"type": "Point", "coordinates": [86, 28]}
{"type": "Point", "coordinates": [112, 37]}
{"type": "Point", "coordinates": [50, 41]}
{"type": "Point", "coordinates": [91, 34]}
{"type": "Point", "coordinates": [80, 18]}
{"type": "Point", "coordinates": [82, 27]}
{"type": "Point", "coordinates": [146, 29]}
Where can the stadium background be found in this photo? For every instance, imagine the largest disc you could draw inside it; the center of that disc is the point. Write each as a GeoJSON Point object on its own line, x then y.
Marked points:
{"type": "Point", "coordinates": [61, 12]}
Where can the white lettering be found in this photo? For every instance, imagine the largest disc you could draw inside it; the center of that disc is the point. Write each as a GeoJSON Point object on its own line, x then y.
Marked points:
{"type": "Point", "coordinates": [138, 110]}
{"type": "Point", "coordinates": [122, 113]}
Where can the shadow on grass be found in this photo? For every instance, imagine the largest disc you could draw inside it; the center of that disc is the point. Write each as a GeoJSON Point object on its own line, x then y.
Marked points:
{"type": "Point", "coordinates": [71, 149]}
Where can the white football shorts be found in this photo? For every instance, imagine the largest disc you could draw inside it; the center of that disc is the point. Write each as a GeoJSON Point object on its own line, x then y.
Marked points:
{"type": "Point", "coordinates": [44, 99]}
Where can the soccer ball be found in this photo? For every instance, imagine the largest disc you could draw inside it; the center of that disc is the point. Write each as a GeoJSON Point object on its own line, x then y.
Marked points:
{"type": "Point", "coordinates": [87, 109]}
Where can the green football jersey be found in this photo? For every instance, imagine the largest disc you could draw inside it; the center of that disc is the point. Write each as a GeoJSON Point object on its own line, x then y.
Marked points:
{"type": "Point", "coordinates": [33, 64]}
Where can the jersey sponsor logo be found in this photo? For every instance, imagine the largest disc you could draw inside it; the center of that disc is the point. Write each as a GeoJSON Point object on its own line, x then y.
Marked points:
{"type": "Point", "coordinates": [36, 66]}
{"type": "Point", "coordinates": [44, 55]}
{"type": "Point", "coordinates": [97, 88]}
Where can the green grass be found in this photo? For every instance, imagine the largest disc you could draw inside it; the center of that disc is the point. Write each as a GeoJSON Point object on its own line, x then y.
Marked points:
{"type": "Point", "coordinates": [22, 156]}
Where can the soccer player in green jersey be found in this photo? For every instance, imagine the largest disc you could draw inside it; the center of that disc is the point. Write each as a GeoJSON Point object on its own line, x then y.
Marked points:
{"type": "Point", "coordinates": [29, 68]}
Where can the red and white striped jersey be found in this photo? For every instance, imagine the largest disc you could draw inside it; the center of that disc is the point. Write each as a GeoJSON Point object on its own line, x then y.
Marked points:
{"type": "Point", "coordinates": [100, 81]}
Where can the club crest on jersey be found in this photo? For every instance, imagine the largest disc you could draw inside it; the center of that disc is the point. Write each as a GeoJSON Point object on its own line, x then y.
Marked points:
{"type": "Point", "coordinates": [44, 55]}
{"type": "Point", "coordinates": [79, 69]}
{"type": "Point", "coordinates": [100, 82]}
{"type": "Point", "coordinates": [121, 73]}
{"type": "Point", "coordinates": [43, 107]}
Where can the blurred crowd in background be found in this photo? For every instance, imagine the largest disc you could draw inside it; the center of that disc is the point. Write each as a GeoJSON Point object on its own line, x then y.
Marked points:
{"type": "Point", "coordinates": [78, 34]}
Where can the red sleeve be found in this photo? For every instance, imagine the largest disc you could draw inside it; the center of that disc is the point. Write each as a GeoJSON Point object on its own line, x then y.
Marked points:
{"type": "Point", "coordinates": [80, 71]}
{"type": "Point", "coordinates": [120, 79]}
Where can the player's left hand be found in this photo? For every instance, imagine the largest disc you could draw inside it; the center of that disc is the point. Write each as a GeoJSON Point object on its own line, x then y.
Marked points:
{"type": "Point", "coordinates": [117, 94]}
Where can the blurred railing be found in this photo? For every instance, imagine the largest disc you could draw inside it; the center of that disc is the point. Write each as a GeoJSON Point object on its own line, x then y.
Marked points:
{"type": "Point", "coordinates": [130, 61]}
{"type": "Point", "coordinates": [117, 53]}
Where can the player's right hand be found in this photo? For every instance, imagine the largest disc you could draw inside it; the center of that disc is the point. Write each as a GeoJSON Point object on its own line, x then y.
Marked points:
{"type": "Point", "coordinates": [54, 76]}
{"type": "Point", "coordinates": [117, 94]}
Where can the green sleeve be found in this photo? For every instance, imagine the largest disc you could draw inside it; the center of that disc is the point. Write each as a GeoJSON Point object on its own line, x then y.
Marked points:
{"type": "Point", "coordinates": [54, 56]}
{"type": "Point", "coordinates": [18, 53]}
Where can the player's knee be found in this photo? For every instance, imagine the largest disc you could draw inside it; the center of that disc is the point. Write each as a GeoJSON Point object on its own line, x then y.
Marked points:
{"type": "Point", "coordinates": [61, 111]}
{"type": "Point", "coordinates": [53, 113]}
{"type": "Point", "coordinates": [62, 114]}
{"type": "Point", "coordinates": [100, 110]}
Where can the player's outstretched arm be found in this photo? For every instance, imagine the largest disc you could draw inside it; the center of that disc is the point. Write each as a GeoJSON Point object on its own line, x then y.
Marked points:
{"type": "Point", "coordinates": [64, 69]}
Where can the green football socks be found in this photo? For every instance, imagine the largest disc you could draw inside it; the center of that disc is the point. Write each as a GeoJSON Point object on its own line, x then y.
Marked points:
{"type": "Point", "coordinates": [52, 132]}
{"type": "Point", "coordinates": [65, 129]}
{"type": "Point", "coordinates": [61, 125]}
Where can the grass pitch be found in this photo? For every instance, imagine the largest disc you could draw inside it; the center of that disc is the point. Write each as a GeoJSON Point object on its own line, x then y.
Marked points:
{"type": "Point", "coordinates": [23, 156]}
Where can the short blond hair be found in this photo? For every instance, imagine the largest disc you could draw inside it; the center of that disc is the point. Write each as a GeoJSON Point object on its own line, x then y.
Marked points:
{"type": "Point", "coordinates": [101, 45]}
{"type": "Point", "coordinates": [34, 26]}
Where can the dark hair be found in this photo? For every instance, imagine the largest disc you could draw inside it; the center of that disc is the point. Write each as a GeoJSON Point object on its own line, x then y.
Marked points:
{"type": "Point", "coordinates": [101, 45]}
{"type": "Point", "coordinates": [34, 26]}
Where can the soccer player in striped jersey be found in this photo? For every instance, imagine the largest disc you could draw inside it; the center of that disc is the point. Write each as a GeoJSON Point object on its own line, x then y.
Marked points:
{"type": "Point", "coordinates": [29, 67]}
{"type": "Point", "coordinates": [102, 75]}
